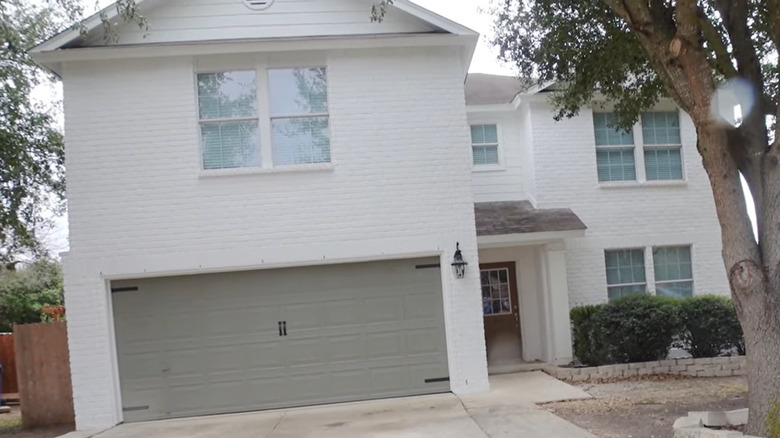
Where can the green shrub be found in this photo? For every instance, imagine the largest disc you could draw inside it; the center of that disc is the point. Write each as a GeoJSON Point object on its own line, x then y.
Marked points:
{"type": "Point", "coordinates": [639, 328]}
{"type": "Point", "coordinates": [589, 345]}
{"type": "Point", "coordinates": [24, 293]}
{"type": "Point", "coordinates": [709, 326]}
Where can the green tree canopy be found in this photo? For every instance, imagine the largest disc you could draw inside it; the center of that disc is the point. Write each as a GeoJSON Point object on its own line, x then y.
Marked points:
{"type": "Point", "coordinates": [696, 52]}
{"type": "Point", "coordinates": [25, 292]}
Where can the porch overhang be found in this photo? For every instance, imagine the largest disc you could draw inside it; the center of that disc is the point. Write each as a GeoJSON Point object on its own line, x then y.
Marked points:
{"type": "Point", "coordinates": [514, 223]}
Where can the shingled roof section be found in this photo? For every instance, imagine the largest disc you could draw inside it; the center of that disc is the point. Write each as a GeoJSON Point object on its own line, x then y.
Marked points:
{"type": "Point", "coordinates": [520, 217]}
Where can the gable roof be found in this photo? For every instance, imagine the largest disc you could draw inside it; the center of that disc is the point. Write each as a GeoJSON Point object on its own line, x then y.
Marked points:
{"type": "Point", "coordinates": [486, 89]}
{"type": "Point", "coordinates": [67, 38]}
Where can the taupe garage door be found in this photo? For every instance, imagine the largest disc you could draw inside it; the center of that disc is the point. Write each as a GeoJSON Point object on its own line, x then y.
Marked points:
{"type": "Point", "coordinates": [245, 341]}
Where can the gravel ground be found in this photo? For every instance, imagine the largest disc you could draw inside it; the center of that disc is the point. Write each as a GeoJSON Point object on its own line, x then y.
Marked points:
{"type": "Point", "coordinates": [11, 427]}
{"type": "Point", "coordinates": [648, 408]}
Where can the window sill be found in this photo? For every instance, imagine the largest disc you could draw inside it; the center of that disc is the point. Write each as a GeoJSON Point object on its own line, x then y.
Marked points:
{"type": "Point", "coordinates": [488, 168]}
{"type": "Point", "coordinates": [324, 167]}
{"type": "Point", "coordinates": [636, 184]}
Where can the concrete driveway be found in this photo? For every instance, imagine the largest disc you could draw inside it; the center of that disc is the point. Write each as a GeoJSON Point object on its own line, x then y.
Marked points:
{"type": "Point", "coordinates": [509, 410]}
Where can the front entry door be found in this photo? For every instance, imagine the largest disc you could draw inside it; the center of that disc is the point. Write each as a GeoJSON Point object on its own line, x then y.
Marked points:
{"type": "Point", "coordinates": [501, 312]}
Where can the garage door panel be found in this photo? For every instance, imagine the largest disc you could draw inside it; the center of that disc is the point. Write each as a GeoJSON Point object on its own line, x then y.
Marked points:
{"type": "Point", "coordinates": [210, 344]}
{"type": "Point", "coordinates": [345, 347]}
{"type": "Point", "coordinates": [382, 309]}
{"type": "Point", "coordinates": [343, 313]}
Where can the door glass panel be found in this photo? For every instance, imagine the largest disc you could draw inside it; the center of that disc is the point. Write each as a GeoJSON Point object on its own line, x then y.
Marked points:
{"type": "Point", "coordinates": [496, 299]}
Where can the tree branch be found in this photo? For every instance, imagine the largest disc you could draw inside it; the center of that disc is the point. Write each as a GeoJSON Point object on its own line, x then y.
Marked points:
{"type": "Point", "coordinates": [722, 56]}
{"type": "Point", "coordinates": [735, 15]}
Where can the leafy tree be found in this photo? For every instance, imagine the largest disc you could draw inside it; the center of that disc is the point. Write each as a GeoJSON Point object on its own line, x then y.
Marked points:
{"type": "Point", "coordinates": [32, 179]}
{"type": "Point", "coordinates": [24, 293]}
{"type": "Point", "coordinates": [634, 52]}
{"type": "Point", "coordinates": [31, 146]}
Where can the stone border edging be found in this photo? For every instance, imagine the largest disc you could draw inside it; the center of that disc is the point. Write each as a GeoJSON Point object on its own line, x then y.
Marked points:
{"type": "Point", "coordinates": [702, 367]}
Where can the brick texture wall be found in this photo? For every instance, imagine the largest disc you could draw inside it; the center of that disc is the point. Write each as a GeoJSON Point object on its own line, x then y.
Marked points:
{"type": "Point", "coordinates": [633, 215]}
{"type": "Point", "coordinates": [140, 206]}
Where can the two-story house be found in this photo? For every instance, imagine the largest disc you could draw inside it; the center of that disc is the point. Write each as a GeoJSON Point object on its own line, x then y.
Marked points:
{"type": "Point", "coordinates": [642, 194]}
{"type": "Point", "coordinates": [269, 203]}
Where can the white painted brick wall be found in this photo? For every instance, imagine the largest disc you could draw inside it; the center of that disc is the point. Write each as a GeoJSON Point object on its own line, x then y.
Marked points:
{"type": "Point", "coordinates": [502, 182]}
{"type": "Point", "coordinates": [623, 217]}
{"type": "Point", "coordinates": [138, 205]}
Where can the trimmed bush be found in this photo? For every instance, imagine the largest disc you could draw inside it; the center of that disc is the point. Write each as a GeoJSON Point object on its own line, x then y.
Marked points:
{"type": "Point", "coordinates": [642, 328]}
{"type": "Point", "coordinates": [589, 345]}
{"type": "Point", "coordinates": [639, 328]}
{"type": "Point", "coordinates": [710, 326]}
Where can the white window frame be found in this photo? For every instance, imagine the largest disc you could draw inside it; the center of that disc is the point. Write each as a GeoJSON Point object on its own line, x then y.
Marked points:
{"type": "Point", "coordinates": [646, 283]}
{"type": "Point", "coordinates": [500, 150]}
{"type": "Point", "coordinates": [646, 147]}
{"type": "Point", "coordinates": [202, 121]}
{"type": "Point", "coordinates": [639, 153]}
{"type": "Point", "coordinates": [693, 265]}
{"type": "Point", "coordinates": [261, 65]}
{"type": "Point", "coordinates": [272, 117]}
{"type": "Point", "coordinates": [633, 147]}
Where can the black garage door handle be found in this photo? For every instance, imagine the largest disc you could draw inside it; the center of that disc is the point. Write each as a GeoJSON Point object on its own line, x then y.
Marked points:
{"type": "Point", "coordinates": [280, 328]}
{"type": "Point", "coordinates": [284, 325]}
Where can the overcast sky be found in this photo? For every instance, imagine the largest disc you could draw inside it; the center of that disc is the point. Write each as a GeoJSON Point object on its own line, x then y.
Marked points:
{"type": "Point", "coordinates": [472, 14]}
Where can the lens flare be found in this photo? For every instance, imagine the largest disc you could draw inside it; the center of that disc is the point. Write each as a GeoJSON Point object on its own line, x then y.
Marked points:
{"type": "Point", "coordinates": [733, 101]}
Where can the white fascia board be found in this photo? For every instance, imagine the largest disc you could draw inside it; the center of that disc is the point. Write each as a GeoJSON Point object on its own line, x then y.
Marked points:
{"type": "Point", "coordinates": [433, 18]}
{"type": "Point", "coordinates": [508, 240]}
{"type": "Point", "coordinates": [496, 108]}
{"type": "Point", "coordinates": [94, 21]}
{"type": "Point", "coordinates": [197, 48]}
{"type": "Point", "coordinates": [74, 32]}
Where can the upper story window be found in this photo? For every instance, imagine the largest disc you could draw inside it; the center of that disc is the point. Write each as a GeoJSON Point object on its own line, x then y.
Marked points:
{"type": "Point", "coordinates": [484, 144]}
{"type": "Point", "coordinates": [614, 149]}
{"type": "Point", "coordinates": [228, 119]}
{"type": "Point", "coordinates": [673, 271]}
{"type": "Point", "coordinates": [244, 118]}
{"type": "Point", "coordinates": [299, 116]}
{"type": "Point", "coordinates": [662, 146]}
{"type": "Point", "coordinates": [625, 272]}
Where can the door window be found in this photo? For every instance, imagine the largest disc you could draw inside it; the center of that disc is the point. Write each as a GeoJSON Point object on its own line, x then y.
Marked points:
{"type": "Point", "coordinates": [496, 299]}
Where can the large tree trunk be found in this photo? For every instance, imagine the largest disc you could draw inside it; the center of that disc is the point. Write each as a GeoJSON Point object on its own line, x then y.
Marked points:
{"type": "Point", "coordinates": [752, 270]}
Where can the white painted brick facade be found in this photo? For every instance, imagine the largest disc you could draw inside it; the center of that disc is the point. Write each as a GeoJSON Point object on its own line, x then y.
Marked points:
{"type": "Point", "coordinates": [553, 164]}
{"type": "Point", "coordinates": [632, 215]}
{"type": "Point", "coordinates": [139, 205]}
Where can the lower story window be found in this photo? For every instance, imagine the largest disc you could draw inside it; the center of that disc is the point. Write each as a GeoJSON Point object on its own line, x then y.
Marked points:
{"type": "Point", "coordinates": [625, 272]}
{"type": "Point", "coordinates": [673, 271]}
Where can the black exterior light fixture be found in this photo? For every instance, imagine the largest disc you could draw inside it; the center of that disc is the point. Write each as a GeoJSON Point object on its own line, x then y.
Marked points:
{"type": "Point", "coordinates": [458, 264]}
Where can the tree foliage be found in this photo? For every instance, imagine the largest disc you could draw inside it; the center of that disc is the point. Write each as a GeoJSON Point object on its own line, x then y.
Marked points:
{"type": "Point", "coordinates": [32, 179]}
{"type": "Point", "coordinates": [25, 292]}
{"type": "Point", "coordinates": [590, 51]}
{"type": "Point", "coordinates": [31, 144]}
{"type": "Point", "coordinates": [634, 52]}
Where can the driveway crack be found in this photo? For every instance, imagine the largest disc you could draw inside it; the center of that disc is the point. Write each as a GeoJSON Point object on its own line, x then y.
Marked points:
{"type": "Point", "coordinates": [278, 422]}
{"type": "Point", "coordinates": [468, 412]}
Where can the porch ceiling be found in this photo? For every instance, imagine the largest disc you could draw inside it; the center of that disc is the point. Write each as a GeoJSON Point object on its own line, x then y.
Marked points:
{"type": "Point", "coordinates": [520, 217]}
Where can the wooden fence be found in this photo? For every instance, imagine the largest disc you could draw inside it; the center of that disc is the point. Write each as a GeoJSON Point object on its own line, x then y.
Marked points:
{"type": "Point", "coordinates": [43, 369]}
{"type": "Point", "coordinates": [8, 361]}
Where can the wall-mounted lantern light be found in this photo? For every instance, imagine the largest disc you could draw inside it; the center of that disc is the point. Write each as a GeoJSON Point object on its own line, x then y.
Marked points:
{"type": "Point", "coordinates": [458, 264]}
